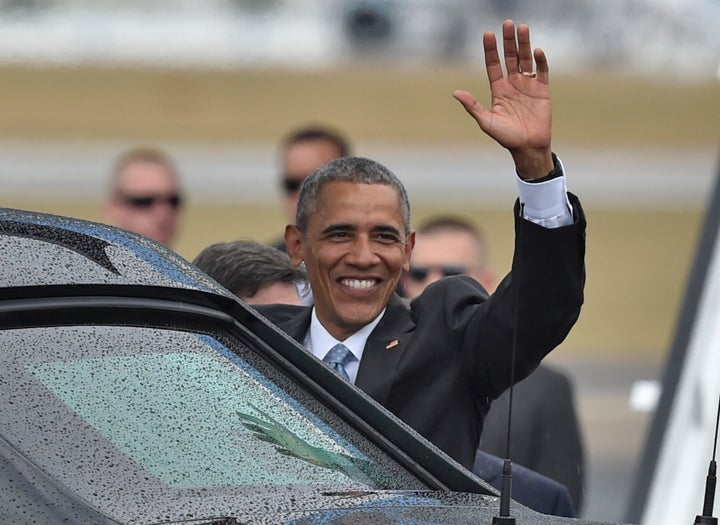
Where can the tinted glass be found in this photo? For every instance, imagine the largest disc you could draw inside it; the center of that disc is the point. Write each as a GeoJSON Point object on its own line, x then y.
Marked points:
{"type": "Point", "coordinates": [136, 420]}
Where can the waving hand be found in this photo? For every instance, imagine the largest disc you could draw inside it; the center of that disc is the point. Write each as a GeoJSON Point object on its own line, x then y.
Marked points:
{"type": "Point", "coordinates": [520, 116]}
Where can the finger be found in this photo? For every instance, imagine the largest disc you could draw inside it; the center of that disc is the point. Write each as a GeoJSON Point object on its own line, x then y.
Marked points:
{"type": "Point", "coordinates": [543, 72]}
{"type": "Point", "coordinates": [510, 47]}
{"type": "Point", "coordinates": [471, 105]}
{"type": "Point", "coordinates": [525, 54]}
{"type": "Point", "coordinates": [492, 57]}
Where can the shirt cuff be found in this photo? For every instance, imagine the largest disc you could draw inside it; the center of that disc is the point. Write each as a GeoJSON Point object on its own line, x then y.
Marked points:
{"type": "Point", "coordinates": [546, 203]}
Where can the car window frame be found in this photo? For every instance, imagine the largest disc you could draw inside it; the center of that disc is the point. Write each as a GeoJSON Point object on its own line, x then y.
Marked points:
{"type": "Point", "coordinates": [170, 307]}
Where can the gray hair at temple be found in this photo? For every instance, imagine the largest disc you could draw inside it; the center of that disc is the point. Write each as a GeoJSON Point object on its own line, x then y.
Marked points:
{"type": "Point", "coordinates": [357, 170]}
{"type": "Point", "coordinates": [245, 266]}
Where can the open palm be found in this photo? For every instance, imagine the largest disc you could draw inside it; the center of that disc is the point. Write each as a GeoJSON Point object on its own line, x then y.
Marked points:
{"type": "Point", "coordinates": [520, 116]}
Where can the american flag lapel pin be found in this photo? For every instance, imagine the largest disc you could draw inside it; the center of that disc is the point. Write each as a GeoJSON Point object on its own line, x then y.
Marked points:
{"type": "Point", "coordinates": [392, 344]}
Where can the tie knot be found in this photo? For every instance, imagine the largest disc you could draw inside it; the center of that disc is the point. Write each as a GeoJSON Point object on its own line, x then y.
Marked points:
{"type": "Point", "coordinates": [338, 357]}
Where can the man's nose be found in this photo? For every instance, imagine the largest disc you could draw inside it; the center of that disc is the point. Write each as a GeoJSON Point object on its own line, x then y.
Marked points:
{"type": "Point", "coordinates": [362, 252]}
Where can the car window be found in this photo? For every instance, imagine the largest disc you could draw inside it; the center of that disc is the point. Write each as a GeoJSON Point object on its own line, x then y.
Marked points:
{"type": "Point", "coordinates": [149, 414]}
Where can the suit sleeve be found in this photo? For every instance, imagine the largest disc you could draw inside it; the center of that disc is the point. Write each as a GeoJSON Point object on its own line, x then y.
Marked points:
{"type": "Point", "coordinates": [533, 309]}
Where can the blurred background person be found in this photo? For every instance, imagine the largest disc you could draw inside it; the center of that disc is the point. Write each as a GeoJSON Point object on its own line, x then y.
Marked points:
{"type": "Point", "coordinates": [450, 246]}
{"type": "Point", "coordinates": [145, 195]}
{"type": "Point", "coordinates": [546, 436]}
{"type": "Point", "coordinates": [256, 273]}
{"type": "Point", "coordinates": [301, 152]}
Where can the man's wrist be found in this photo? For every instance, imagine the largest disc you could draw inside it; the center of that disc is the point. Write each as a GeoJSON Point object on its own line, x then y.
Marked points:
{"type": "Point", "coordinates": [533, 164]}
{"type": "Point", "coordinates": [554, 173]}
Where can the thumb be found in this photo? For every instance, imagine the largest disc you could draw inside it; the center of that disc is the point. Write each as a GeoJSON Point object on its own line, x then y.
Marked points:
{"type": "Point", "coordinates": [471, 105]}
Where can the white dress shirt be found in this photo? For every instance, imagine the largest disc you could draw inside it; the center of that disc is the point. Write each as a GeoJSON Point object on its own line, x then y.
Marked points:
{"type": "Point", "coordinates": [546, 203]}
{"type": "Point", "coordinates": [319, 342]}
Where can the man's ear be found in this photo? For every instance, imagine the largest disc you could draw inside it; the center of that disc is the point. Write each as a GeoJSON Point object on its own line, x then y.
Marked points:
{"type": "Point", "coordinates": [295, 244]}
{"type": "Point", "coordinates": [409, 245]}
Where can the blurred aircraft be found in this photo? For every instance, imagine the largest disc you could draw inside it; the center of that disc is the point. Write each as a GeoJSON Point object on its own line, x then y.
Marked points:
{"type": "Point", "coordinates": [670, 37]}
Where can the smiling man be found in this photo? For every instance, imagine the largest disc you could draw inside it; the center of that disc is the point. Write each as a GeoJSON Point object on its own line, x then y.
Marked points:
{"type": "Point", "coordinates": [439, 363]}
{"type": "Point", "coordinates": [354, 239]}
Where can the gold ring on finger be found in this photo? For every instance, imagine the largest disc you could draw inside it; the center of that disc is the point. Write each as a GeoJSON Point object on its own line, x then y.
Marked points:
{"type": "Point", "coordinates": [531, 74]}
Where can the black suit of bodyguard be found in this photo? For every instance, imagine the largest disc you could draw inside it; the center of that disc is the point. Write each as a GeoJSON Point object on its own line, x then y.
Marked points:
{"type": "Point", "coordinates": [454, 342]}
{"type": "Point", "coordinates": [438, 364]}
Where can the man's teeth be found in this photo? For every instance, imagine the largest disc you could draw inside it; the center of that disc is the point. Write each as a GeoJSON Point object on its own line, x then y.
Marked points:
{"type": "Point", "coordinates": [357, 283]}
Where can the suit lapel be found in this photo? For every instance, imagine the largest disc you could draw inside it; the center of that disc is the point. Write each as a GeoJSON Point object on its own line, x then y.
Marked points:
{"type": "Point", "coordinates": [296, 326]}
{"type": "Point", "coordinates": [383, 350]}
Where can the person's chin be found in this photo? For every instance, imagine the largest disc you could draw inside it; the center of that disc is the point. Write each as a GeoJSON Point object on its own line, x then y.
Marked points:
{"type": "Point", "coordinates": [353, 315]}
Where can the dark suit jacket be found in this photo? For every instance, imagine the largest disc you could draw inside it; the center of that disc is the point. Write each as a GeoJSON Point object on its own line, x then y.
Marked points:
{"type": "Point", "coordinates": [546, 433]}
{"type": "Point", "coordinates": [530, 488]}
{"type": "Point", "coordinates": [454, 343]}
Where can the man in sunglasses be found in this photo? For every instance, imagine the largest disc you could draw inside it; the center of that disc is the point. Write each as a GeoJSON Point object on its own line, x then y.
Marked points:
{"type": "Point", "coordinates": [546, 434]}
{"type": "Point", "coordinates": [301, 152]}
{"type": "Point", "coordinates": [145, 195]}
{"type": "Point", "coordinates": [446, 246]}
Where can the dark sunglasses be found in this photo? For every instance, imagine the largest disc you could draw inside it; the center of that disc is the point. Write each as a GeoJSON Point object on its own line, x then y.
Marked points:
{"type": "Point", "coordinates": [291, 185]}
{"type": "Point", "coordinates": [143, 202]}
{"type": "Point", "coordinates": [420, 273]}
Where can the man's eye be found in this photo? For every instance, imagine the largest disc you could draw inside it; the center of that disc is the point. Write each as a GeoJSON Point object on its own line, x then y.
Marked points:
{"type": "Point", "coordinates": [387, 237]}
{"type": "Point", "coordinates": [339, 235]}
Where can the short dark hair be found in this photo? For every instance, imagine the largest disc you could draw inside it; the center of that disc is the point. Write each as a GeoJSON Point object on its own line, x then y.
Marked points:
{"type": "Point", "coordinates": [449, 222]}
{"type": "Point", "coordinates": [318, 132]}
{"type": "Point", "coordinates": [357, 170]}
{"type": "Point", "coordinates": [246, 266]}
{"type": "Point", "coordinates": [140, 154]}
{"type": "Point", "coordinates": [454, 224]}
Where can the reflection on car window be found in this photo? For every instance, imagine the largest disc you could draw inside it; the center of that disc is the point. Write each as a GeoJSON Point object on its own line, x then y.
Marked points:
{"type": "Point", "coordinates": [154, 416]}
{"type": "Point", "coordinates": [192, 422]}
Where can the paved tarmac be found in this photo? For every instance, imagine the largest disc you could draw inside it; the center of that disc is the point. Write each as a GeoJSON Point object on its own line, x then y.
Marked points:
{"type": "Point", "coordinates": [614, 433]}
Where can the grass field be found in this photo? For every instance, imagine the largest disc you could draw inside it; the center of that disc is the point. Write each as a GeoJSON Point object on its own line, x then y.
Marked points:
{"type": "Point", "coordinates": [637, 259]}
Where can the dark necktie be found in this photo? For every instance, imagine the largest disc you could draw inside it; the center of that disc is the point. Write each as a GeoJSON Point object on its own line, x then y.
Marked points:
{"type": "Point", "coordinates": [338, 357]}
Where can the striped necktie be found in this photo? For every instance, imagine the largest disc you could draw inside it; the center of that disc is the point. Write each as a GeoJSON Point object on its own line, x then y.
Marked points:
{"type": "Point", "coordinates": [338, 357]}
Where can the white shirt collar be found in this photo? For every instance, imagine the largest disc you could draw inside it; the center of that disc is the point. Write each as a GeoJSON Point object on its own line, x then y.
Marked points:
{"type": "Point", "coordinates": [319, 341]}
